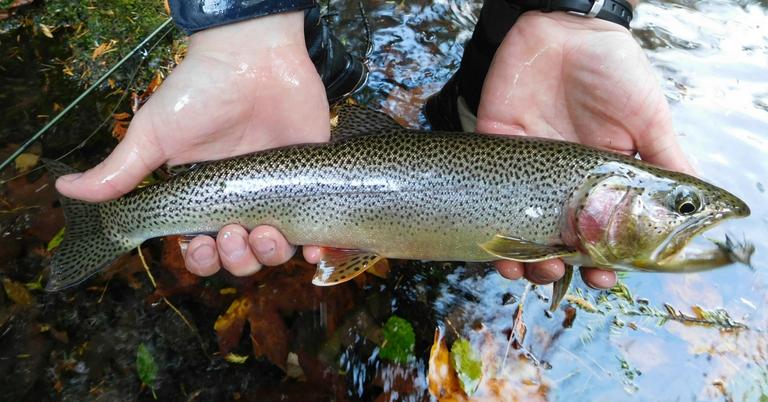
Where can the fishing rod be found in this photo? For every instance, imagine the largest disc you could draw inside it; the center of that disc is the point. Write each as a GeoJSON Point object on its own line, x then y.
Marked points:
{"type": "Point", "coordinates": [82, 96]}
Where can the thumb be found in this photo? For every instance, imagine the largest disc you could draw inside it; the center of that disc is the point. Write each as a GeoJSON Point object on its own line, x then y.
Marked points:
{"type": "Point", "coordinates": [659, 146]}
{"type": "Point", "coordinates": [131, 161]}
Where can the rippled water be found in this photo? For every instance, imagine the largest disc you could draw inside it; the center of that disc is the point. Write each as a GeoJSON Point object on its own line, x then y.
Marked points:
{"type": "Point", "coordinates": [711, 57]}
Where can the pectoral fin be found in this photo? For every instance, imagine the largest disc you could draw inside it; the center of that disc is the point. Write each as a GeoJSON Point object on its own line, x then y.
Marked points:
{"type": "Point", "coordinates": [516, 249]}
{"type": "Point", "coordinates": [560, 288]}
{"type": "Point", "coordinates": [340, 265]}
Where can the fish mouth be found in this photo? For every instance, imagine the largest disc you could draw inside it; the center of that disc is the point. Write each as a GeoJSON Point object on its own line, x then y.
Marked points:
{"type": "Point", "coordinates": [674, 246]}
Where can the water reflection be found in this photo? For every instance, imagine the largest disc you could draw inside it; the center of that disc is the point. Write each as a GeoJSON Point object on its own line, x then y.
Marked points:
{"type": "Point", "coordinates": [712, 58]}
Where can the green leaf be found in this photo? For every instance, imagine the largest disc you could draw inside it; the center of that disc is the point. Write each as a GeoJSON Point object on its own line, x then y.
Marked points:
{"type": "Point", "coordinates": [467, 364]}
{"type": "Point", "coordinates": [146, 367]}
{"type": "Point", "coordinates": [399, 340]}
{"type": "Point", "coordinates": [56, 240]}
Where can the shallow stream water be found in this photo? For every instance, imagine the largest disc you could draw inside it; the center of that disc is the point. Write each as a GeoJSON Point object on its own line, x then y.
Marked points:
{"type": "Point", "coordinates": [712, 59]}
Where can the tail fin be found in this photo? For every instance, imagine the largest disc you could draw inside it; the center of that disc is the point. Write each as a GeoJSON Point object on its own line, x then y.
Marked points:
{"type": "Point", "coordinates": [87, 247]}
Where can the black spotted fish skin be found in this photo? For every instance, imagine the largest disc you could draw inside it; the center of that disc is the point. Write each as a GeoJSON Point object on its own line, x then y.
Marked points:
{"type": "Point", "coordinates": [399, 194]}
{"type": "Point", "coordinates": [376, 187]}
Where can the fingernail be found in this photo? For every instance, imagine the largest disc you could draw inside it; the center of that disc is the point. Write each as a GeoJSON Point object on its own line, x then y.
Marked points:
{"type": "Point", "coordinates": [203, 254]}
{"type": "Point", "coordinates": [71, 177]}
{"type": "Point", "coordinates": [265, 246]}
{"type": "Point", "coordinates": [233, 245]}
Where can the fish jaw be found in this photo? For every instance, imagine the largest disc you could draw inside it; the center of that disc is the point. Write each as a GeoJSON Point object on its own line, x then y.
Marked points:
{"type": "Point", "coordinates": [630, 218]}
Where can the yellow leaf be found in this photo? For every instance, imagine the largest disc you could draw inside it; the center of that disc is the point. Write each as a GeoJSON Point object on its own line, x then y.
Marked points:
{"type": "Point", "coordinates": [101, 49]}
{"type": "Point", "coordinates": [26, 161]}
{"type": "Point", "coordinates": [46, 30]}
{"type": "Point", "coordinates": [18, 293]}
{"type": "Point", "coordinates": [228, 291]}
{"type": "Point", "coordinates": [235, 358]}
{"type": "Point", "coordinates": [56, 240]}
{"type": "Point", "coordinates": [442, 379]}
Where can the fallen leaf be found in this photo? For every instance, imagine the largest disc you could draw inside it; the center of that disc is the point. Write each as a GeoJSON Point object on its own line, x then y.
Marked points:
{"type": "Point", "coordinates": [235, 358]}
{"type": "Point", "coordinates": [442, 379]}
{"type": "Point", "coordinates": [46, 30]}
{"type": "Point", "coordinates": [26, 161]}
{"type": "Point", "coordinates": [18, 293]}
{"type": "Point", "coordinates": [399, 340]}
{"type": "Point", "coordinates": [102, 49]}
{"type": "Point", "coordinates": [467, 364]}
{"type": "Point", "coordinates": [146, 367]}
{"type": "Point", "coordinates": [56, 240]}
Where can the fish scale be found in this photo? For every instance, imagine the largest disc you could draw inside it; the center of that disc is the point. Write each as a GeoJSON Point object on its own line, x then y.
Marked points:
{"type": "Point", "coordinates": [376, 187]}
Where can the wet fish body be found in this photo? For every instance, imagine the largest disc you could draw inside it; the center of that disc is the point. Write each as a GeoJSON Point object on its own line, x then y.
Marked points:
{"type": "Point", "coordinates": [398, 193]}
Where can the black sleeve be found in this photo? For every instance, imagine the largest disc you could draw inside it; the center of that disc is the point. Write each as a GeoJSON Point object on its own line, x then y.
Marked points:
{"type": "Point", "coordinates": [196, 15]}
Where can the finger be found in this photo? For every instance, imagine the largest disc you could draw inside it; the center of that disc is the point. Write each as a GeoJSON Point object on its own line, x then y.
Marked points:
{"type": "Point", "coordinates": [201, 257]}
{"type": "Point", "coordinates": [235, 255]}
{"type": "Point", "coordinates": [512, 270]}
{"type": "Point", "coordinates": [269, 246]}
{"type": "Point", "coordinates": [312, 254]}
{"type": "Point", "coordinates": [544, 272]}
{"type": "Point", "coordinates": [598, 278]}
{"type": "Point", "coordinates": [130, 162]}
{"type": "Point", "coordinates": [660, 146]}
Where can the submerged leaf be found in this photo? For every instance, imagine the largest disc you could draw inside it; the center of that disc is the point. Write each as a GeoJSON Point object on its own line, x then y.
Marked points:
{"type": "Point", "coordinates": [18, 293]}
{"type": "Point", "coordinates": [399, 340]}
{"type": "Point", "coordinates": [146, 367]}
{"type": "Point", "coordinates": [235, 358]}
{"type": "Point", "coordinates": [468, 365]}
{"type": "Point", "coordinates": [442, 380]}
{"type": "Point", "coordinates": [56, 240]}
{"type": "Point", "coordinates": [26, 161]}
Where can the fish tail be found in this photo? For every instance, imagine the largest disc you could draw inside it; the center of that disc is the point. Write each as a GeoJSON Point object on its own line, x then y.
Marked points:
{"type": "Point", "coordinates": [88, 246]}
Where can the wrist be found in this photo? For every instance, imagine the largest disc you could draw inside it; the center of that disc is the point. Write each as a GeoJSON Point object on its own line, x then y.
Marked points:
{"type": "Point", "coordinates": [567, 21]}
{"type": "Point", "coordinates": [251, 38]}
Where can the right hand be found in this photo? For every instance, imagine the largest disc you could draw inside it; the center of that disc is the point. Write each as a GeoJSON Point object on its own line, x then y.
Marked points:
{"type": "Point", "coordinates": [243, 87]}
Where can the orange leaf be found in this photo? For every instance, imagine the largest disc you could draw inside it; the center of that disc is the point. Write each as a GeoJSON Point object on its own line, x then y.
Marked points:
{"type": "Point", "coordinates": [441, 376]}
{"type": "Point", "coordinates": [229, 327]}
{"type": "Point", "coordinates": [101, 49]}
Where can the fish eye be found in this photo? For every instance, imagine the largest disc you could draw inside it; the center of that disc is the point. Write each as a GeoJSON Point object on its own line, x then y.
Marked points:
{"type": "Point", "coordinates": [686, 201]}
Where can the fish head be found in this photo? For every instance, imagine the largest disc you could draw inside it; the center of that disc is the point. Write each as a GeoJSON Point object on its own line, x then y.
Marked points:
{"type": "Point", "coordinates": [641, 217]}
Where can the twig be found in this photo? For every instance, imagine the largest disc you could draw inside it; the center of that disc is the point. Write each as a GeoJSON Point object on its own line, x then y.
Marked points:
{"type": "Point", "coordinates": [512, 336]}
{"type": "Point", "coordinates": [146, 268]}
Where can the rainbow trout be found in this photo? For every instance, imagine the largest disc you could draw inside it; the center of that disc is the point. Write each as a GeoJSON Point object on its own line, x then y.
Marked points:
{"type": "Point", "coordinates": [378, 190]}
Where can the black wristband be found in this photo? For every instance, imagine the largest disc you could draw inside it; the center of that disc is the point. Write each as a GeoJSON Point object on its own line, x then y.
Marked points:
{"type": "Point", "coordinates": [616, 11]}
{"type": "Point", "coordinates": [193, 15]}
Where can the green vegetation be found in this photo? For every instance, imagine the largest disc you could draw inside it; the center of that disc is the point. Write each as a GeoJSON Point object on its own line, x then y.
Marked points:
{"type": "Point", "coordinates": [399, 340]}
{"type": "Point", "coordinates": [146, 367]}
{"type": "Point", "coordinates": [101, 33]}
{"type": "Point", "coordinates": [468, 365]}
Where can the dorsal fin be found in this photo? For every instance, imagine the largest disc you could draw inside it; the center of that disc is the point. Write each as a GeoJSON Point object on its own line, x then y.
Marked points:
{"type": "Point", "coordinates": [352, 120]}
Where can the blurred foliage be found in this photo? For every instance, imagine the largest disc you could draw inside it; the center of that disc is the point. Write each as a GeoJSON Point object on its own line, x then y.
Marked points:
{"type": "Point", "coordinates": [101, 33]}
{"type": "Point", "coordinates": [146, 367]}
{"type": "Point", "coordinates": [468, 365]}
{"type": "Point", "coordinates": [399, 340]}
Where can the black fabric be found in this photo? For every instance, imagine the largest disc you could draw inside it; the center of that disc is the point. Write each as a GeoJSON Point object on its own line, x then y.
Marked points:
{"type": "Point", "coordinates": [341, 73]}
{"type": "Point", "coordinates": [616, 11]}
{"type": "Point", "coordinates": [496, 19]}
{"type": "Point", "coordinates": [197, 15]}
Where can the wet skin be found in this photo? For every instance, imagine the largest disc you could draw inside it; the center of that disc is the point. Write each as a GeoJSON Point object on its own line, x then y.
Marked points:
{"type": "Point", "coordinates": [231, 96]}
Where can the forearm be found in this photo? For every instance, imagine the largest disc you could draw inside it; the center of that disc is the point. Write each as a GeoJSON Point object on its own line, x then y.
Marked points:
{"type": "Point", "coordinates": [252, 36]}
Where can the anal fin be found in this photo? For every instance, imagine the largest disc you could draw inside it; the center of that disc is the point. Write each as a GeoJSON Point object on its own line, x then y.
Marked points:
{"type": "Point", "coordinates": [560, 288]}
{"type": "Point", "coordinates": [516, 249]}
{"type": "Point", "coordinates": [340, 265]}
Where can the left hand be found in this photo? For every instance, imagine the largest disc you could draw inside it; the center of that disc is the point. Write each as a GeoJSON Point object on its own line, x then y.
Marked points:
{"type": "Point", "coordinates": [583, 80]}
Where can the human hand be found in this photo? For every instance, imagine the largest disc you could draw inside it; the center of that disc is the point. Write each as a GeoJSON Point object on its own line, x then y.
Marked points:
{"type": "Point", "coordinates": [242, 87]}
{"type": "Point", "coordinates": [583, 80]}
